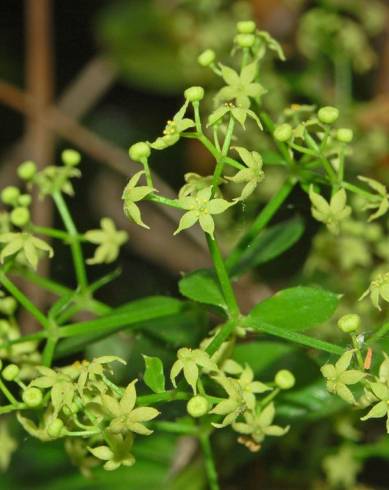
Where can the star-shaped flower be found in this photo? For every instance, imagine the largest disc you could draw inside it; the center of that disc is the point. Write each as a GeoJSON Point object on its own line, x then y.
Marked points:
{"type": "Point", "coordinates": [331, 213]}
{"type": "Point", "coordinates": [189, 361]}
{"type": "Point", "coordinates": [173, 129]}
{"type": "Point", "coordinates": [109, 241]}
{"type": "Point", "coordinates": [238, 113]}
{"type": "Point", "coordinates": [338, 377]}
{"type": "Point", "coordinates": [380, 409]}
{"type": "Point", "coordinates": [258, 426]}
{"type": "Point", "coordinates": [383, 205]}
{"type": "Point", "coordinates": [117, 453]}
{"type": "Point", "coordinates": [195, 183]}
{"type": "Point", "coordinates": [378, 288]}
{"type": "Point", "coordinates": [133, 194]}
{"type": "Point", "coordinates": [241, 395]}
{"type": "Point", "coordinates": [26, 243]}
{"type": "Point", "coordinates": [240, 87]}
{"type": "Point", "coordinates": [200, 208]}
{"type": "Point", "coordinates": [125, 417]}
{"type": "Point", "coordinates": [252, 175]}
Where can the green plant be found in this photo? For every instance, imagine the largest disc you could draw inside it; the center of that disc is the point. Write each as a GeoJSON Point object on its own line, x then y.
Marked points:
{"type": "Point", "coordinates": [101, 419]}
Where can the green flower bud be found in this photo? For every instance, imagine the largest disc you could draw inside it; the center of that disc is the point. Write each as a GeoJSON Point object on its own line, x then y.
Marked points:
{"type": "Point", "coordinates": [10, 194]}
{"type": "Point", "coordinates": [328, 114]}
{"type": "Point", "coordinates": [246, 27]}
{"type": "Point", "coordinates": [284, 379]}
{"type": "Point", "coordinates": [10, 372]}
{"type": "Point", "coordinates": [344, 135]}
{"type": "Point", "coordinates": [197, 406]}
{"type": "Point", "coordinates": [139, 151]}
{"type": "Point", "coordinates": [20, 216]}
{"type": "Point", "coordinates": [24, 200]}
{"type": "Point", "coordinates": [349, 323]}
{"type": "Point", "coordinates": [206, 57]}
{"type": "Point", "coordinates": [32, 397]}
{"type": "Point", "coordinates": [70, 158]}
{"type": "Point", "coordinates": [245, 40]}
{"type": "Point", "coordinates": [27, 170]}
{"type": "Point", "coordinates": [8, 305]}
{"type": "Point", "coordinates": [283, 132]}
{"type": "Point", "coordinates": [4, 329]}
{"type": "Point", "coordinates": [194, 94]}
{"type": "Point", "coordinates": [55, 428]}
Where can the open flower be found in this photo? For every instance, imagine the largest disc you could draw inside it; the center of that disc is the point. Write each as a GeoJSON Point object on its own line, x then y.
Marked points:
{"type": "Point", "coordinates": [173, 129]}
{"type": "Point", "coordinates": [379, 288]}
{"type": "Point", "coordinates": [380, 409]}
{"type": "Point", "coordinates": [258, 426]}
{"type": "Point", "coordinates": [252, 175]}
{"type": "Point", "coordinates": [133, 194]}
{"type": "Point", "coordinates": [26, 243]}
{"type": "Point", "coordinates": [109, 241]}
{"type": "Point", "coordinates": [126, 418]}
{"type": "Point", "coordinates": [200, 208]}
{"type": "Point", "coordinates": [238, 113]}
{"type": "Point", "coordinates": [331, 213]}
{"type": "Point", "coordinates": [241, 395]}
{"type": "Point", "coordinates": [117, 453]}
{"type": "Point", "coordinates": [240, 87]}
{"type": "Point", "coordinates": [338, 377]}
{"type": "Point", "coordinates": [382, 205]}
{"type": "Point", "coordinates": [188, 361]}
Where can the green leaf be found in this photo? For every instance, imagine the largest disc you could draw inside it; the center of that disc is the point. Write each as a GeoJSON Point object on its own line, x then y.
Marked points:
{"type": "Point", "coordinates": [154, 376]}
{"type": "Point", "coordinates": [201, 286]}
{"type": "Point", "coordinates": [268, 245]}
{"type": "Point", "coordinates": [259, 355]}
{"type": "Point", "coordinates": [295, 309]}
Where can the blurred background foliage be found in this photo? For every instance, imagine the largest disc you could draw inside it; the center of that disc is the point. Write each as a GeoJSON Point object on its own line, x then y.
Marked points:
{"type": "Point", "coordinates": [141, 54]}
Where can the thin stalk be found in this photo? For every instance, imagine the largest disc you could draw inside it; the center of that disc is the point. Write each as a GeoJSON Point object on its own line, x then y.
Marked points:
{"type": "Point", "coordinates": [220, 162]}
{"type": "Point", "coordinates": [149, 178]}
{"type": "Point", "coordinates": [48, 352]}
{"type": "Point", "coordinates": [269, 398]}
{"type": "Point", "coordinates": [357, 352]}
{"type": "Point", "coordinates": [168, 396]}
{"type": "Point", "coordinates": [222, 275]}
{"type": "Point", "coordinates": [383, 330]}
{"type": "Point", "coordinates": [78, 259]}
{"type": "Point", "coordinates": [357, 190]}
{"type": "Point", "coordinates": [223, 334]}
{"type": "Point", "coordinates": [53, 233]}
{"type": "Point", "coordinates": [176, 428]}
{"type": "Point", "coordinates": [209, 462]}
{"type": "Point", "coordinates": [196, 109]}
{"type": "Point", "coordinates": [24, 338]}
{"type": "Point", "coordinates": [8, 394]}
{"type": "Point", "coordinates": [282, 148]}
{"type": "Point", "coordinates": [23, 300]}
{"type": "Point", "coordinates": [12, 408]}
{"type": "Point", "coordinates": [173, 203]}
{"type": "Point", "coordinates": [261, 221]}
{"type": "Point", "coordinates": [43, 282]}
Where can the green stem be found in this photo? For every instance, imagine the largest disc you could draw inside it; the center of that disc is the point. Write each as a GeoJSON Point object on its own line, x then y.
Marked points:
{"type": "Point", "coordinates": [24, 338]}
{"type": "Point", "coordinates": [357, 190]}
{"type": "Point", "coordinates": [261, 221]}
{"type": "Point", "coordinates": [43, 282]}
{"type": "Point", "coordinates": [269, 398]}
{"type": "Point", "coordinates": [149, 178]}
{"type": "Point", "coordinates": [168, 396]}
{"type": "Point", "coordinates": [23, 300]}
{"type": "Point", "coordinates": [357, 351]}
{"type": "Point", "coordinates": [53, 233]}
{"type": "Point", "coordinates": [282, 148]}
{"type": "Point", "coordinates": [8, 394]}
{"type": "Point", "coordinates": [220, 162]}
{"type": "Point", "coordinates": [176, 428]}
{"type": "Point", "coordinates": [78, 259]}
{"type": "Point", "coordinates": [173, 203]}
{"type": "Point", "coordinates": [196, 109]}
{"type": "Point", "coordinates": [223, 334]}
{"type": "Point", "coordinates": [48, 352]}
{"type": "Point", "coordinates": [383, 330]}
{"type": "Point", "coordinates": [12, 408]}
{"type": "Point", "coordinates": [210, 467]}
{"type": "Point", "coordinates": [222, 275]}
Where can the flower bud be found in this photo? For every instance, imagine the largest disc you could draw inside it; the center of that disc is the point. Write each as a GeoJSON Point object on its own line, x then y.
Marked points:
{"type": "Point", "coordinates": [55, 428]}
{"type": "Point", "coordinates": [10, 372]}
{"type": "Point", "coordinates": [246, 27]}
{"type": "Point", "coordinates": [32, 397]}
{"type": "Point", "coordinates": [283, 132]}
{"type": "Point", "coordinates": [10, 194]}
{"type": "Point", "coordinates": [349, 323]}
{"type": "Point", "coordinates": [328, 114]}
{"type": "Point", "coordinates": [344, 135]}
{"type": "Point", "coordinates": [245, 40]}
{"type": "Point", "coordinates": [24, 200]}
{"type": "Point", "coordinates": [194, 94]}
{"type": "Point", "coordinates": [20, 216]}
{"type": "Point", "coordinates": [8, 305]}
{"type": "Point", "coordinates": [139, 151]}
{"type": "Point", "coordinates": [206, 57]}
{"type": "Point", "coordinates": [284, 379]}
{"type": "Point", "coordinates": [27, 170]}
{"type": "Point", "coordinates": [197, 406]}
{"type": "Point", "coordinates": [70, 158]}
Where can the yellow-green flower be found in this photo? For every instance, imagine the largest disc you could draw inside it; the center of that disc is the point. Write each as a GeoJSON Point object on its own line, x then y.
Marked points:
{"type": "Point", "coordinates": [382, 204]}
{"type": "Point", "coordinates": [133, 194]}
{"type": "Point", "coordinates": [379, 288]}
{"type": "Point", "coordinates": [252, 175]}
{"type": "Point", "coordinates": [331, 213]}
{"type": "Point", "coordinates": [27, 244]}
{"type": "Point", "coordinates": [200, 208]}
{"type": "Point", "coordinates": [188, 361]}
{"type": "Point", "coordinates": [109, 241]}
{"type": "Point", "coordinates": [173, 129]}
{"type": "Point", "coordinates": [117, 453]}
